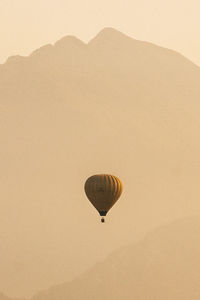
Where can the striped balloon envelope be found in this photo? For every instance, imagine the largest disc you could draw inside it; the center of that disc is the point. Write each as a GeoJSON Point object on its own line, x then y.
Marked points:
{"type": "Point", "coordinates": [103, 191]}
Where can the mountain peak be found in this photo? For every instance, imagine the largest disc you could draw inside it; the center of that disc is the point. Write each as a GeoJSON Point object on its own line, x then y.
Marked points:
{"type": "Point", "coordinates": [109, 34]}
{"type": "Point", "coordinates": [69, 40]}
{"type": "Point", "coordinates": [109, 31]}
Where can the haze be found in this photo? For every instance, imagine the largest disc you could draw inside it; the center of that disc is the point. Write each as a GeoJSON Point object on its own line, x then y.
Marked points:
{"type": "Point", "coordinates": [26, 25]}
{"type": "Point", "coordinates": [116, 105]}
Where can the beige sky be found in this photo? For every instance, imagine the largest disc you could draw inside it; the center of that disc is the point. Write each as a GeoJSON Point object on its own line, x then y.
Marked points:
{"type": "Point", "coordinates": [29, 24]}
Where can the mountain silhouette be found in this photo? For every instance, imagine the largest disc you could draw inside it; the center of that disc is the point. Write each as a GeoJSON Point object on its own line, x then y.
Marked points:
{"type": "Point", "coordinates": [70, 110]}
{"type": "Point", "coordinates": [164, 265]}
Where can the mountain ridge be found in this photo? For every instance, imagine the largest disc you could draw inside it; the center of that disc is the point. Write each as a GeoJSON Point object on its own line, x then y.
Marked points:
{"type": "Point", "coordinates": [106, 35]}
{"type": "Point", "coordinates": [153, 253]}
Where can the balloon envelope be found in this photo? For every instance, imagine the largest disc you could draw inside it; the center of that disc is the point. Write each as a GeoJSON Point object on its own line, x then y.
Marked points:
{"type": "Point", "coordinates": [103, 191]}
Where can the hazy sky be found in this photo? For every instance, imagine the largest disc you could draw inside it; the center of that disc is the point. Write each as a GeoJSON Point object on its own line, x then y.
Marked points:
{"type": "Point", "coordinates": [29, 24]}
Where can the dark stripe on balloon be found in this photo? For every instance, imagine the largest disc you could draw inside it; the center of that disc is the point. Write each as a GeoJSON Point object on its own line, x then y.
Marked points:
{"type": "Point", "coordinates": [117, 188]}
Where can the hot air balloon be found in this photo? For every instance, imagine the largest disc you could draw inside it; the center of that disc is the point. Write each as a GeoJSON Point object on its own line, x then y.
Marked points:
{"type": "Point", "coordinates": [103, 191]}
